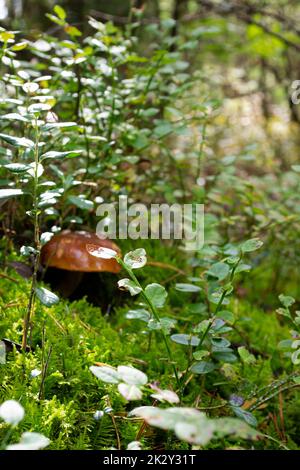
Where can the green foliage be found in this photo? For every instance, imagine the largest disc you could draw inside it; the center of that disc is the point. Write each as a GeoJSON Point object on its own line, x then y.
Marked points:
{"type": "Point", "coordinates": [88, 116]}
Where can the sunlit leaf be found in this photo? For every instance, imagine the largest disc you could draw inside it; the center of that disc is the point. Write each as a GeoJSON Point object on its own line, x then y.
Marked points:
{"type": "Point", "coordinates": [106, 374]}
{"type": "Point", "coordinates": [47, 297]}
{"type": "Point", "coordinates": [157, 294]}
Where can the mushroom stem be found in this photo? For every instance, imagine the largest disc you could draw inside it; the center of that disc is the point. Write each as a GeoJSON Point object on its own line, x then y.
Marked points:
{"type": "Point", "coordinates": [69, 283]}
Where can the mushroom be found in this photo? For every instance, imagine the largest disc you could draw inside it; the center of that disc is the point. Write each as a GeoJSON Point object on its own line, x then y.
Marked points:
{"type": "Point", "coordinates": [67, 253]}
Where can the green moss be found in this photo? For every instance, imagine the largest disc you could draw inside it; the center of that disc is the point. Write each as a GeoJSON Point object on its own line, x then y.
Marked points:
{"type": "Point", "coordinates": [76, 335]}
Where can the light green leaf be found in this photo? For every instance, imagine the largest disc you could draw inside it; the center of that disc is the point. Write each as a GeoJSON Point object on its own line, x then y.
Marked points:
{"type": "Point", "coordinates": [130, 392]}
{"type": "Point", "coordinates": [219, 270]}
{"type": "Point", "coordinates": [17, 141]}
{"type": "Point", "coordinates": [30, 87]}
{"type": "Point", "coordinates": [2, 353]}
{"type": "Point", "coordinates": [200, 354]}
{"type": "Point", "coordinates": [187, 340]}
{"type": "Point", "coordinates": [165, 396]}
{"type": "Point", "coordinates": [60, 12]}
{"type": "Point", "coordinates": [129, 285]}
{"type": "Point", "coordinates": [232, 427]}
{"type": "Point", "coordinates": [184, 287]}
{"type": "Point", "coordinates": [80, 202]}
{"type": "Point", "coordinates": [39, 107]}
{"type": "Point", "coordinates": [251, 245]}
{"type": "Point", "coordinates": [53, 154]}
{"type": "Point", "coordinates": [138, 314]}
{"type": "Point", "coordinates": [136, 259]}
{"type": "Point", "coordinates": [286, 300]}
{"type": "Point", "coordinates": [106, 374]}
{"type": "Point", "coordinates": [55, 19]}
{"type": "Point", "coordinates": [202, 367]}
{"type": "Point", "coordinates": [32, 169]}
{"type": "Point", "coordinates": [47, 297]}
{"type": "Point", "coordinates": [8, 193]}
{"type": "Point", "coordinates": [30, 441]}
{"type": "Point", "coordinates": [132, 376]}
{"type": "Point", "coordinates": [226, 315]}
{"type": "Point", "coordinates": [165, 324]}
{"type": "Point", "coordinates": [14, 117]}
{"type": "Point", "coordinates": [244, 415]}
{"type": "Point", "coordinates": [246, 357]}
{"type": "Point", "coordinates": [16, 167]}
{"type": "Point", "coordinates": [58, 125]}
{"type": "Point", "coordinates": [157, 294]}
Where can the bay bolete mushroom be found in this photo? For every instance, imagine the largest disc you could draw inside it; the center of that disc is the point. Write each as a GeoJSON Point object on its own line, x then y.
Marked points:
{"type": "Point", "coordinates": [67, 254]}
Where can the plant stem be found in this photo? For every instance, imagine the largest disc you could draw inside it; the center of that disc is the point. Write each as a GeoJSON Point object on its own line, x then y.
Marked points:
{"type": "Point", "coordinates": [155, 314]}
{"type": "Point", "coordinates": [6, 438]}
{"type": "Point", "coordinates": [28, 315]}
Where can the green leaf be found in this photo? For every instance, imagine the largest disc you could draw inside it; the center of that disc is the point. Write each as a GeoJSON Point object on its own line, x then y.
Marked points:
{"type": "Point", "coordinates": [47, 297]}
{"type": "Point", "coordinates": [16, 167]}
{"type": "Point", "coordinates": [226, 315]}
{"type": "Point", "coordinates": [30, 441]}
{"type": "Point", "coordinates": [2, 353]}
{"type": "Point", "coordinates": [157, 294]}
{"type": "Point", "coordinates": [242, 267]}
{"type": "Point", "coordinates": [53, 154]}
{"type": "Point", "coordinates": [80, 202]}
{"type": "Point", "coordinates": [166, 324]}
{"type": "Point", "coordinates": [129, 285]}
{"type": "Point", "coordinates": [286, 300]}
{"type": "Point", "coordinates": [30, 87]}
{"type": "Point", "coordinates": [58, 125]}
{"type": "Point", "coordinates": [285, 344]}
{"type": "Point", "coordinates": [130, 392]}
{"type": "Point", "coordinates": [245, 415]}
{"type": "Point", "coordinates": [202, 367]}
{"type": "Point", "coordinates": [219, 270]}
{"type": "Point", "coordinates": [188, 424]}
{"type": "Point", "coordinates": [55, 19]}
{"type": "Point", "coordinates": [163, 129]}
{"type": "Point", "coordinates": [9, 193]}
{"type": "Point", "coordinates": [233, 427]}
{"type": "Point", "coordinates": [19, 46]}
{"type": "Point", "coordinates": [251, 245]}
{"type": "Point", "coordinates": [246, 357]}
{"type": "Point", "coordinates": [219, 343]}
{"type": "Point", "coordinates": [165, 395]}
{"type": "Point", "coordinates": [17, 141]}
{"type": "Point", "coordinates": [296, 357]}
{"type": "Point", "coordinates": [106, 374]}
{"type": "Point", "coordinates": [60, 12]}
{"type": "Point", "coordinates": [200, 354]}
{"type": "Point", "coordinates": [14, 117]}
{"type": "Point", "coordinates": [185, 287]}
{"type": "Point", "coordinates": [138, 314]}
{"type": "Point", "coordinates": [225, 356]}
{"type": "Point", "coordinates": [132, 376]}
{"type": "Point", "coordinates": [187, 340]}
{"type": "Point", "coordinates": [136, 259]}
{"type": "Point", "coordinates": [39, 107]}
{"type": "Point", "coordinates": [33, 168]}
{"type": "Point", "coordinates": [27, 250]}
{"type": "Point", "coordinates": [72, 31]}
{"type": "Point", "coordinates": [284, 312]}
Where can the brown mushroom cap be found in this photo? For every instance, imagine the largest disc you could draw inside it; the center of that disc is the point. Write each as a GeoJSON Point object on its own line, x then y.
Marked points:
{"type": "Point", "coordinates": [67, 250]}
